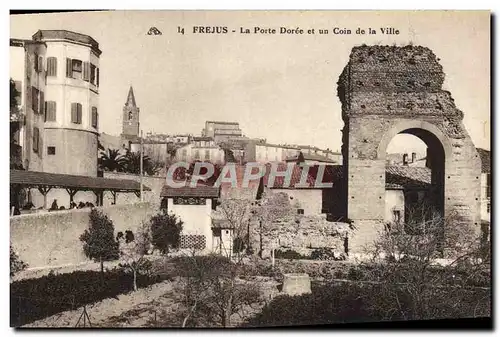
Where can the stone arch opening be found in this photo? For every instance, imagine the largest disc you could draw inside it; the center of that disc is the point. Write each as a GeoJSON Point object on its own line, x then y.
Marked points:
{"type": "Point", "coordinates": [422, 183]}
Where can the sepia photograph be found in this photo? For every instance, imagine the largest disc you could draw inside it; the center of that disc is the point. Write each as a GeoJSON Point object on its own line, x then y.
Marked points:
{"type": "Point", "coordinates": [250, 169]}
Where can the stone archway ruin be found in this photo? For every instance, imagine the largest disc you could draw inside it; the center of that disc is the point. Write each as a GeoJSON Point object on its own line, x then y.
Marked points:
{"type": "Point", "coordinates": [387, 90]}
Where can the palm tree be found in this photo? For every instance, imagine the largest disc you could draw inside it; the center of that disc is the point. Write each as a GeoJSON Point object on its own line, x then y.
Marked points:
{"type": "Point", "coordinates": [133, 163]}
{"type": "Point", "coordinates": [112, 161]}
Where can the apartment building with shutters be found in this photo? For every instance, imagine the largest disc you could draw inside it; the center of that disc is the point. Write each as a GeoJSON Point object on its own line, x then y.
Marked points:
{"type": "Point", "coordinates": [57, 72]}
{"type": "Point", "coordinates": [27, 122]}
{"type": "Point", "coordinates": [72, 102]}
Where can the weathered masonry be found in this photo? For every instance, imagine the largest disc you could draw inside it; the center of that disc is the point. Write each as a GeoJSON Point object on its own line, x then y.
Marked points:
{"type": "Point", "coordinates": [388, 90]}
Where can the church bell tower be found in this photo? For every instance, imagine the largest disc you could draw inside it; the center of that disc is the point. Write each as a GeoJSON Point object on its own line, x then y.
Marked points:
{"type": "Point", "coordinates": [130, 127]}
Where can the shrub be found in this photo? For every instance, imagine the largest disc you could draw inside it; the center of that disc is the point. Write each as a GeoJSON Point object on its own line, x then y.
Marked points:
{"type": "Point", "coordinates": [165, 231]}
{"type": "Point", "coordinates": [289, 254]}
{"type": "Point", "coordinates": [16, 264]}
{"type": "Point", "coordinates": [238, 244]}
{"type": "Point", "coordinates": [33, 299]}
{"type": "Point", "coordinates": [99, 241]}
{"type": "Point", "coordinates": [326, 254]}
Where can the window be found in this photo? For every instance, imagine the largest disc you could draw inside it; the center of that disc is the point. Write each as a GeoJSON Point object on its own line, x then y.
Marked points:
{"type": "Point", "coordinates": [94, 117]}
{"type": "Point", "coordinates": [93, 74]}
{"type": "Point", "coordinates": [184, 154]}
{"type": "Point", "coordinates": [51, 150]}
{"type": "Point", "coordinates": [197, 154]}
{"type": "Point", "coordinates": [130, 115]}
{"type": "Point", "coordinates": [36, 63]}
{"type": "Point", "coordinates": [76, 113]}
{"type": "Point", "coordinates": [51, 66]}
{"type": "Point", "coordinates": [488, 207]}
{"type": "Point", "coordinates": [50, 111]}
{"type": "Point", "coordinates": [192, 241]}
{"type": "Point", "coordinates": [36, 139]}
{"type": "Point", "coordinates": [207, 154]}
{"type": "Point", "coordinates": [396, 216]}
{"type": "Point", "coordinates": [97, 76]}
{"type": "Point", "coordinates": [41, 104]}
{"type": "Point", "coordinates": [34, 100]}
{"type": "Point", "coordinates": [488, 185]}
{"type": "Point", "coordinates": [300, 211]}
{"type": "Point", "coordinates": [73, 68]}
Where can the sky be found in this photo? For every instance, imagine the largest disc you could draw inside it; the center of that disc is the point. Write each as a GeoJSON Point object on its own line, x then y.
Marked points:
{"type": "Point", "coordinates": [281, 87]}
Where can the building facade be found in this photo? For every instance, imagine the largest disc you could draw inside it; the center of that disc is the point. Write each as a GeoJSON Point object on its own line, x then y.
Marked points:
{"type": "Point", "coordinates": [71, 111]}
{"type": "Point", "coordinates": [263, 152]}
{"type": "Point", "coordinates": [57, 75]}
{"type": "Point", "coordinates": [222, 131]}
{"type": "Point", "coordinates": [200, 149]}
{"type": "Point", "coordinates": [28, 73]}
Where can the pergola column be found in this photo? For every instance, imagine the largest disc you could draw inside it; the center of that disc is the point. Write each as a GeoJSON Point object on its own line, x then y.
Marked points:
{"type": "Point", "coordinates": [44, 190]}
{"type": "Point", "coordinates": [71, 193]}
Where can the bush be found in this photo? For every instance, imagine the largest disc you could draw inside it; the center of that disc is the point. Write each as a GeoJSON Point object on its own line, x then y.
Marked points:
{"type": "Point", "coordinates": [326, 254]}
{"type": "Point", "coordinates": [33, 299]}
{"type": "Point", "coordinates": [290, 255]}
{"type": "Point", "coordinates": [16, 264]}
{"type": "Point", "coordinates": [165, 231]}
{"type": "Point", "coordinates": [188, 266]}
{"type": "Point", "coordinates": [99, 241]}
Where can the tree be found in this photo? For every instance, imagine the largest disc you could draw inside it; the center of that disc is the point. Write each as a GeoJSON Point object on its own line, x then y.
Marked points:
{"type": "Point", "coordinates": [133, 163]}
{"type": "Point", "coordinates": [213, 290]}
{"type": "Point", "coordinates": [133, 252]}
{"type": "Point", "coordinates": [165, 231]}
{"type": "Point", "coordinates": [99, 243]}
{"type": "Point", "coordinates": [14, 94]}
{"type": "Point", "coordinates": [269, 209]}
{"type": "Point", "coordinates": [412, 285]}
{"type": "Point", "coordinates": [16, 264]}
{"type": "Point", "coordinates": [237, 213]}
{"type": "Point", "coordinates": [112, 161]}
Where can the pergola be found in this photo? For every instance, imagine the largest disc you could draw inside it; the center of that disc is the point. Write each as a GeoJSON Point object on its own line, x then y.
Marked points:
{"type": "Point", "coordinates": [44, 182]}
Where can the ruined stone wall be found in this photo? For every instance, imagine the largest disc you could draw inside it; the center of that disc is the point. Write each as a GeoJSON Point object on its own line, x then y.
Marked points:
{"type": "Point", "coordinates": [300, 233]}
{"type": "Point", "coordinates": [386, 90]}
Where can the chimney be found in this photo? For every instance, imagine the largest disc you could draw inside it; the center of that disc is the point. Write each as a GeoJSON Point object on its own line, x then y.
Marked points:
{"type": "Point", "coordinates": [405, 159]}
{"type": "Point", "coordinates": [413, 157]}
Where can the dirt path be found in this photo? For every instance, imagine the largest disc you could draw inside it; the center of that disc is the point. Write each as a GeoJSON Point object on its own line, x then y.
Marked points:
{"type": "Point", "coordinates": [135, 309]}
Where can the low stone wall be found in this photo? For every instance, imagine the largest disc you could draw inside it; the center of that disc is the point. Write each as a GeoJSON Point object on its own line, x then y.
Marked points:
{"type": "Point", "coordinates": [53, 238]}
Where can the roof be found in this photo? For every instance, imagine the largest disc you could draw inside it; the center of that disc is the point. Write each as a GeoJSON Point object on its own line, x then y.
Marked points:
{"type": "Point", "coordinates": [312, 156]}
{"type": "Point", "coordinates": [200, 191]}
{"type": "Point", "coordinates": [130, 98]}
{"type": "Point", "coordinates": [485, 156]}
{"type": "Point", "coordinates": [67, 35]}
{"type": "Point", "coordinates": [223, 123]}
{"type": "Point", "coordinates": [408, 176]}
{"type": "Point", "coordinates": [221, 223]}
{"type": "Point", "coordinates": [83, 183]}
{"type": "Point", "coordinates": [207, 139]}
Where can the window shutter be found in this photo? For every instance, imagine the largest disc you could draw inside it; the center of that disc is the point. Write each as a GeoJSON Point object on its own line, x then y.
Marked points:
{"type": "Point", "coordinates": [19, 88]}
{"type": "Point", "coordinates": [51, 66]}
{"type": "Point", "coordinates": [35, 139]}
{"type": "Point", "coordinates": [42, 103]}
{"type": "Point", "coordinates": [69, 69]}
{"type": "Point", "coordinates": [94, 117]}
{"type": "Point", "coordinates": [35, 62]}
{"type": "Point", "coordinates": [86, 71]}
{"type": "Point", "coordinates": [79, 113]}
{"type": "Point", "coordinates": [74, 113]}
{"type": "Point", "coordinates": [97, 76]}
{"type": "Point", "coordinates": [40, 64]}
{"type": "Point", "coordinates": [34, 99]}
{"type": "Point", "coordinates": [50, 111]}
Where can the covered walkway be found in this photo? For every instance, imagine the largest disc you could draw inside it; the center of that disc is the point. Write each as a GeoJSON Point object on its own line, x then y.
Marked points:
{"type": "Point", "coordinates": [44, 182]}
